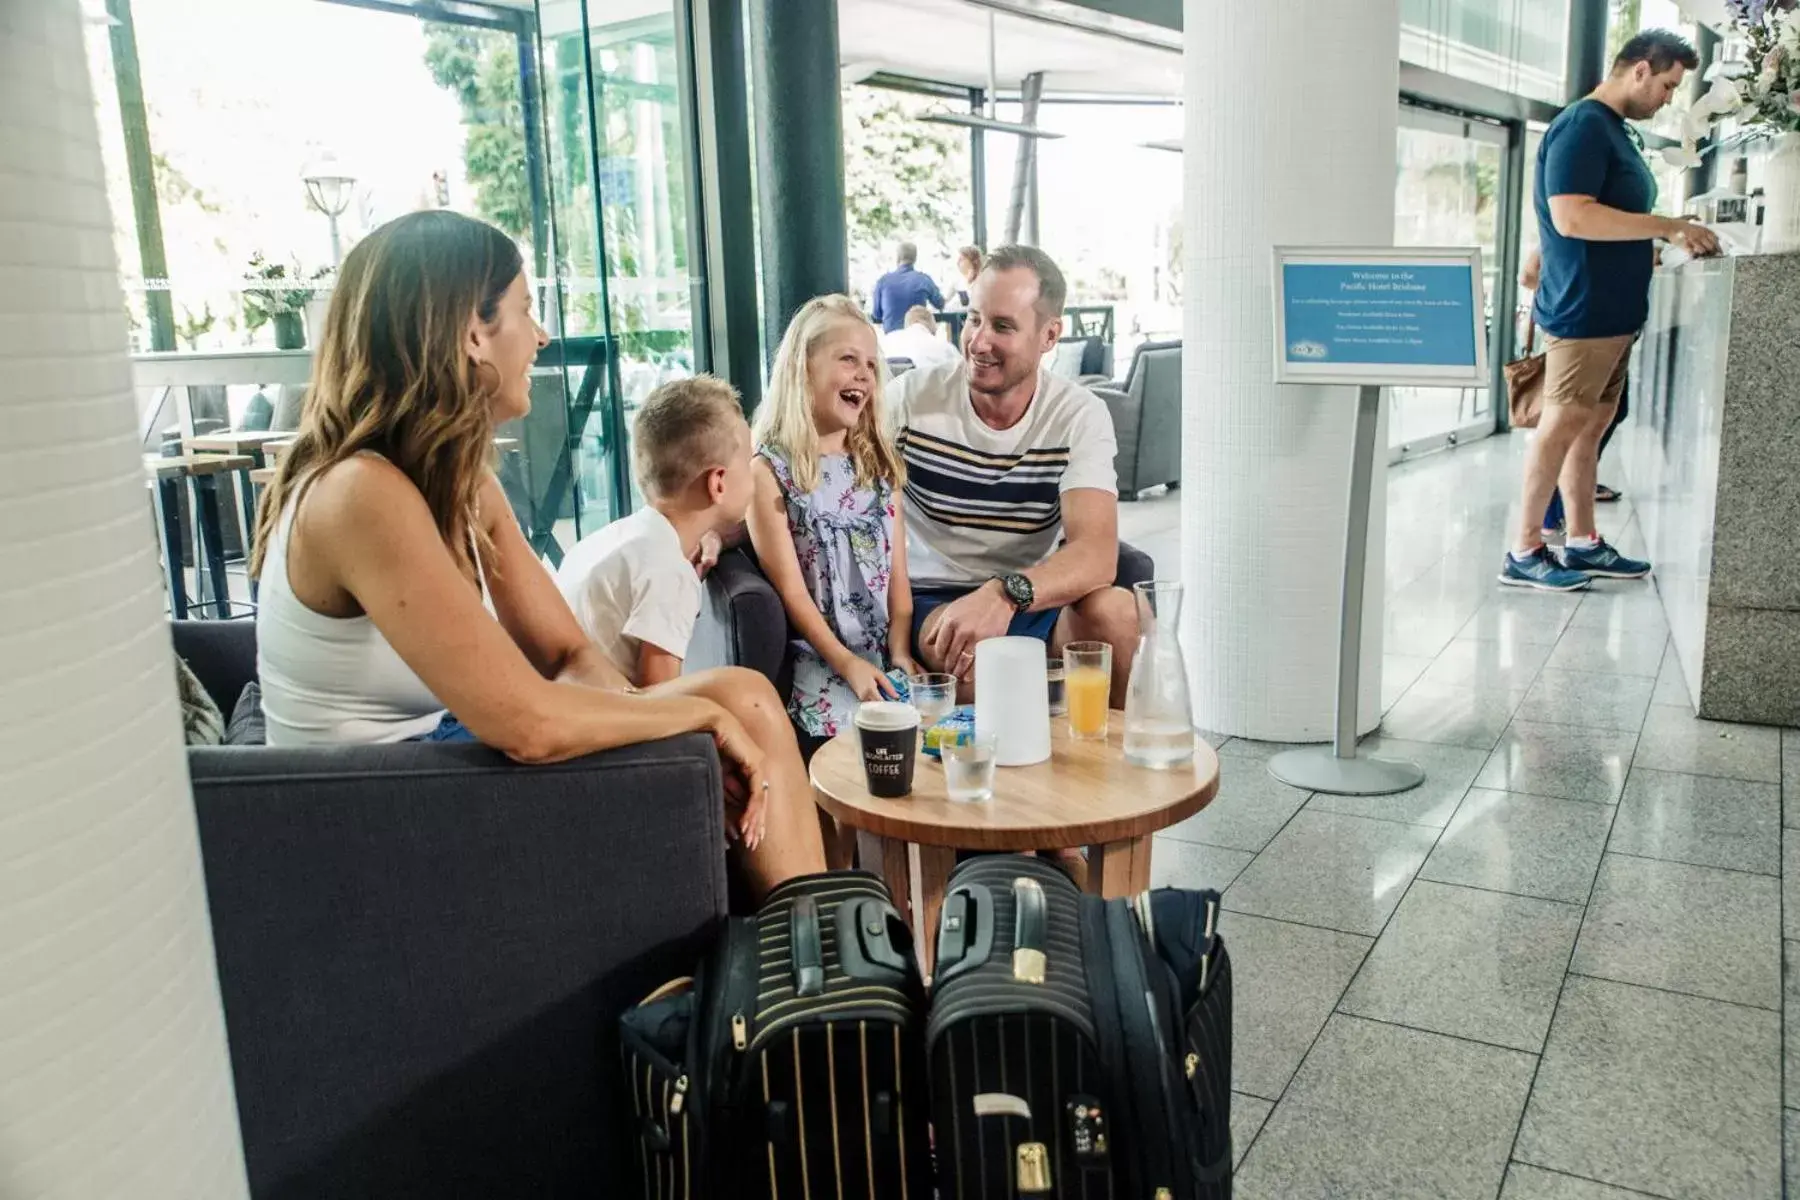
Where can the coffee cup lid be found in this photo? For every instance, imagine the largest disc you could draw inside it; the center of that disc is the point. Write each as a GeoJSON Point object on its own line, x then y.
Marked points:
{"type": "Point", "coordinates": [886, 714]}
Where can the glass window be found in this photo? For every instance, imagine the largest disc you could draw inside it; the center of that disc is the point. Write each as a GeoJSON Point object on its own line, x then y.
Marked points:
{"type": "Point", "coordinates": [569, 136]}
{"type": "Point", "coordinates": [1109, 208]}
{"type": "Point", "coordinates": [1515, 45]}
{"type": "Point", "coordinates": [905, 179]}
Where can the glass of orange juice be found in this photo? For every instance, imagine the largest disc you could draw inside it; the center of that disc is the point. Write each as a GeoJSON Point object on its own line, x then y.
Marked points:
{"type": "Point", "coordinates": [1087, 687]}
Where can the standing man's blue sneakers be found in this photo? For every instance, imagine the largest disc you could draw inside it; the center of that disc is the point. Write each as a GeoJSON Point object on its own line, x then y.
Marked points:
{"type": "Point", "coordinates": [1539, 570]}
{"type": "Point", "coordinates": [1601, 561]}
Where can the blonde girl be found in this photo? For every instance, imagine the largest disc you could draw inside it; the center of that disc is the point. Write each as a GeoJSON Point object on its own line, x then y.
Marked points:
{"type": "Point", "coordinates": [826, 520]}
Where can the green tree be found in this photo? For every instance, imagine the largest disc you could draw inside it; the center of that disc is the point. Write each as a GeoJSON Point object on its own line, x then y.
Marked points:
{"type": "Point", "coordinates": [904, 179]}
{"type": "Point", "coordinates": [482, 70]}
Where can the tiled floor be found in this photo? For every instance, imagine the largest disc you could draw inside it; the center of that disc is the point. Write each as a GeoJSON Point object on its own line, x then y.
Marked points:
{"type": "Point", "coordinates": [1557, 969]}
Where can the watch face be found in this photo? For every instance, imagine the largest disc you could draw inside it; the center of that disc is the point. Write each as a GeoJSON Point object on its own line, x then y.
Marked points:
{"type": "Point", "coordinates": [1018, 590]}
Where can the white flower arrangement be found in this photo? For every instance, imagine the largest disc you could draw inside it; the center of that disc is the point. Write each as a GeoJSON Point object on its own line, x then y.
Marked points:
{"type": "Point", "coordinates": [1768, 81]}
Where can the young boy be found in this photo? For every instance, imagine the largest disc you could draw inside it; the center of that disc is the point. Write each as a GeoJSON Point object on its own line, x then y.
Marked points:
{"type": "Point", "coordinates": [634, 586]}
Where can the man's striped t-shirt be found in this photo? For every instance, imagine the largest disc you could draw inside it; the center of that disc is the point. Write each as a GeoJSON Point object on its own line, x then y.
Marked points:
{"type": "Point", "coordinates": [980, 501]}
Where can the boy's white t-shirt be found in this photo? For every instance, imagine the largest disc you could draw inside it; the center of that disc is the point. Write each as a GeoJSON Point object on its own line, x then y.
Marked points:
{"type": "Point", "coordinates": [629, 583]}
{"type": "Point", "coordinates": [982, 502]}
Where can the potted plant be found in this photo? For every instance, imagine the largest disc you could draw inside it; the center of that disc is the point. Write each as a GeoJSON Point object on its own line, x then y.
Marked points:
{"type": "Point", "coordinates": [280, 300]}
{"type": "Point", "coordinates": [1761, 94]}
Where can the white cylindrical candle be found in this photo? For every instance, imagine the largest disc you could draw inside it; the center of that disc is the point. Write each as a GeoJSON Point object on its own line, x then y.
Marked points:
{"type": "Point", "coordinates": [1012, 699]}
{"type": "Point", "coordinates": [114, 1076]}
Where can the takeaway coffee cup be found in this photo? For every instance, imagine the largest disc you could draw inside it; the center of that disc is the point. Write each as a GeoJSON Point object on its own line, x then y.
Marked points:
{"type": "Point", "coordinates": [889, 732]}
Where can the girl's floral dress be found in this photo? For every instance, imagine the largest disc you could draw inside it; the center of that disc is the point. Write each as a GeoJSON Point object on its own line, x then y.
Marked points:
{"type": "Point", "coordinates": [843, 537]}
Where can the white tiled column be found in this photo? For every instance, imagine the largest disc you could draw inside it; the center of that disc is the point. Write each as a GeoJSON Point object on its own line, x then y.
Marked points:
{"type": "Point", "coordinates": [114, 1077]}
{"type": "Point", "coordinates": [1291, 114]}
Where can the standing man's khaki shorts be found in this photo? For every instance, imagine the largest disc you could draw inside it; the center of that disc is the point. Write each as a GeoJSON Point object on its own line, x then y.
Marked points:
{"type": "Point", "coordinates": [1585, 372]}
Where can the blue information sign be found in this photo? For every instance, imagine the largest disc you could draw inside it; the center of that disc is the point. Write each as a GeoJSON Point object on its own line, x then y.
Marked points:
{"type": "Point", "coordinates": [1393, 316]}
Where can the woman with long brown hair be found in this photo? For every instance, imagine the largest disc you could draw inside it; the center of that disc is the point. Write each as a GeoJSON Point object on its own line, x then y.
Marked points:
{"type": "Point", "coordinates": [399, 599]}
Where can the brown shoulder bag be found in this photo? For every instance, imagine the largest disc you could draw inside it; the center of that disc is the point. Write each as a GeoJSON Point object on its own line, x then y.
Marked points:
{"type": "Point", "coordinates": [1525, 384]}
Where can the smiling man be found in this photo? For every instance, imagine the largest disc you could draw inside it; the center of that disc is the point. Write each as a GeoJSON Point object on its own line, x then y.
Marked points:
{"type": "Point", "coordinates": [1005, 461]}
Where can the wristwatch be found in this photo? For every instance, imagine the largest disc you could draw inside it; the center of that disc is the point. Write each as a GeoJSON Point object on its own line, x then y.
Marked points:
{"type": "Point", "coordinates": [1018, 590]}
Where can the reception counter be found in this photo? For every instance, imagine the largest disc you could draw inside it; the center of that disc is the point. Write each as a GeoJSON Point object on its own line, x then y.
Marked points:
{"type": "Point", "coordinates": [1714, 461]}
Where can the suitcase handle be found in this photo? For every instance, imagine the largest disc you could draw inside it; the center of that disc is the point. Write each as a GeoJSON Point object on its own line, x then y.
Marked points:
{"type": "Point", "coordinates": [1031, 920]}
{"type": "Point", "coordinates": [965, 931]}
{"type": "Point", "coordinates": [809, 956]}
{"type": "Point", "coordinates": [872, 940]}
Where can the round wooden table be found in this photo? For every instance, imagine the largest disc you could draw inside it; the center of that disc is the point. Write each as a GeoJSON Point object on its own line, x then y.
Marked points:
{"type": "Point", "coordinates": [1086, 795]}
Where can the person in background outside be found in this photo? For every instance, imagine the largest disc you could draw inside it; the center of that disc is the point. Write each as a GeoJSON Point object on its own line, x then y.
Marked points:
{"type": "Point", "coordinates": [634, 585]}
{"type": "Point", "coordinates": [918, 341]}
{"type": "Point", "coordinates": [1593, 196]}
{"type": "Point", "coordinates": [396, 584]}
{"type": "Point", "coordinates": [1554, 516]}
{"type": "Point", "coordinates": [1012, 505]}
{"type": "Point", "coordinates": [968, 266]}
{"type": "Point", "coordinates": [901, 288]}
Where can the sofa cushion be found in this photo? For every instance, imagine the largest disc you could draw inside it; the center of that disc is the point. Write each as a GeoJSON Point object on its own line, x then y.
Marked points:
{"type": "Point", "coordinates": [247, 726]}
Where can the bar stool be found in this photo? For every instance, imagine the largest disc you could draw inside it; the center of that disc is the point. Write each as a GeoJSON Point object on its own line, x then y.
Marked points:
{"type": "Point", "coordinates": [200, 472]}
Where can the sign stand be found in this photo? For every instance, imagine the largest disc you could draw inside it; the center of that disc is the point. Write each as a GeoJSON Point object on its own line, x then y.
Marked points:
{"type": "Point", "coordinates": [1337, 769]}
{"type": "Point", "coordinates": [1370, 317]}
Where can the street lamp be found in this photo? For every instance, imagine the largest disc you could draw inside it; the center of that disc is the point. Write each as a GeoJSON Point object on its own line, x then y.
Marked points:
{"type": "Point", "coordinates": [328, 188]}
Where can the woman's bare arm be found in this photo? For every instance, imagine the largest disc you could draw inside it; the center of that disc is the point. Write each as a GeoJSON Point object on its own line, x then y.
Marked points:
{"type": "Point", "coordinates": [372, 532]}
{"type": "Point", "coordinates": [530, 608]}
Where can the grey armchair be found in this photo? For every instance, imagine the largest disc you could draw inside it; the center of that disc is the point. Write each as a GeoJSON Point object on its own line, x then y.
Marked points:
{"type": "Point", "coordinates": [423, 949]}
{"type": "Point", "coordinates": [1146, 415]}
{"type": "Point", "coordinates": [742, 622]}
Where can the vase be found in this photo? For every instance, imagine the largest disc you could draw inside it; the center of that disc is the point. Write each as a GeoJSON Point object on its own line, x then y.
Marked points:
{"type": "Point", "coordinates": [1159, 718]}
{"type": "Point", "coordinates": [1781, 194]}
{"type": "Point", "coordinates": [290, 333]}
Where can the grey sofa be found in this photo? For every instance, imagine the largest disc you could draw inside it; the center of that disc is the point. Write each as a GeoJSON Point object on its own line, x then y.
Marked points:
{"type": "Point", "coordinates": [1146, 414]}
{"type": "Point", "coordinates": [742, 622]}
{"type": "Point", "coordinates": [423, 949]}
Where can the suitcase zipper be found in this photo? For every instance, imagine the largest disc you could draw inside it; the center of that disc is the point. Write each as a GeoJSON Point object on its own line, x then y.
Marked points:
{"type": "Point", "coordinates": [740, 1033]}
{"type": "Point", "coordinates": [680, 1097]}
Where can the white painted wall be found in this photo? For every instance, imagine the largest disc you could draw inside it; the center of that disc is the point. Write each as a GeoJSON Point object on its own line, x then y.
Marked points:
{"type": "Point", "coordinates": [114, 1078]}
{"type": "Point", "coordinates": [1291, 134]}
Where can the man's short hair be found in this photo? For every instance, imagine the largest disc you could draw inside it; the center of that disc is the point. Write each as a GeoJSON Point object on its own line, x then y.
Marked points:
{"type": "Point", "coordinates": [907, 254]}
{"type": "Point", "coordinates": [1661, 48]}
{"type": "Point", "coordinates": [684, 428]}
{"type": "Point", "coordinates": [918, 314]}
{"type": "Point", "coordinates": [1053, 290]}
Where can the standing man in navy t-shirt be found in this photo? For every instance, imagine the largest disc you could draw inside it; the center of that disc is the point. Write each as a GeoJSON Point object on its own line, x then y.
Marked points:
{"type": "Point", "coordinates": [1593, 197]}
{"type": "Point", "coordinates": [902, 288]}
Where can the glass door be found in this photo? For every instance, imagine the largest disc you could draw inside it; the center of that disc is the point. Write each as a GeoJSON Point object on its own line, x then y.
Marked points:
{"type": "Point", "coordinates": [618, 128]}
{"type": "Point", "coordinates": [1447, 193]}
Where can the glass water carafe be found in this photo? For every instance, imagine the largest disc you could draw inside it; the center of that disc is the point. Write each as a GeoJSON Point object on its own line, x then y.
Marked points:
{"type": "Point", "coordinates": [1159, 720]}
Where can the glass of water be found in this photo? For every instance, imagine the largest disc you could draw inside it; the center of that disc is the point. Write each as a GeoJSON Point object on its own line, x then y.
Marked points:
{"type": "Point", "coordinates": [969, 768]}
{"type": "Point", "coordinates": [933, 695]}
{"type": "Point", "coordinates": [1053, 677]}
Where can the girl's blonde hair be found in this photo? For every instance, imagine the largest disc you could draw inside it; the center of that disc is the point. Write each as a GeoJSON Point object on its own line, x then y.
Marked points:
{"type": "Point", "coordinates": [392, 374]}
{"type": "Point", "coordinates": [785, 418]}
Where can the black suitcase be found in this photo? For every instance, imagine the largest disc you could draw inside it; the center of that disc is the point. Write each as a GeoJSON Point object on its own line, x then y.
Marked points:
{"type": "Point", "coordinates": [793, 1064]}
{"type": "Point", "coordinates": [1070, 1057]}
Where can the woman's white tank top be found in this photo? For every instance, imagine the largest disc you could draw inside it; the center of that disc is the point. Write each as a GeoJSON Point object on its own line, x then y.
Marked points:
{"type": "Point", "coordinates": [332, 680]}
